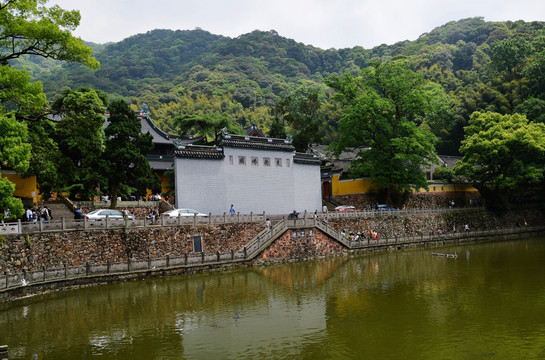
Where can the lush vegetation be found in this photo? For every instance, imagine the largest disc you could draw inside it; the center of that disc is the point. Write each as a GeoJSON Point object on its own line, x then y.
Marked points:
{"type": "Point", "coordinates": [490, 66]}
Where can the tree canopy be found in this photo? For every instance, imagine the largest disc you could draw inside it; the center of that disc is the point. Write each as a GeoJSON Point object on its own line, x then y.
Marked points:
{"type": "Point", "coordinates": [502, 152]}
{"type": "Point", "coordinates": [31, 28]}
{"type": "Point", "coordinates": [124, 162]}
{"type": "Point", "coordinates": [381, 108]}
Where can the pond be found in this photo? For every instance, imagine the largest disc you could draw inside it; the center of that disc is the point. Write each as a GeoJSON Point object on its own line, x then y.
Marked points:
{"type": "Point", "coordinates": [488, 303]}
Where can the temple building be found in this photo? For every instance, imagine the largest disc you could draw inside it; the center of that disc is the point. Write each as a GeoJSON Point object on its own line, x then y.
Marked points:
{"type": "Point", "coordinates": [252, 173]}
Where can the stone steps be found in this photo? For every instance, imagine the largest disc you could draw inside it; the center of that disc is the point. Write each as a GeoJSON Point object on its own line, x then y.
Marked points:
{"type": "Point", "coordinates": [59, 210]}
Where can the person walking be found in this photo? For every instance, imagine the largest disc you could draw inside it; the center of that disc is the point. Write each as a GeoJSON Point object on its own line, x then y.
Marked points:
{"type": "Point", "coordinates": [232, 210]}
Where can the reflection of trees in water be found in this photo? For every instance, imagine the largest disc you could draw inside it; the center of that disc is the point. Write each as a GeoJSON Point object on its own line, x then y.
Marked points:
{"type": "Point", "coordinates": [371, 299]}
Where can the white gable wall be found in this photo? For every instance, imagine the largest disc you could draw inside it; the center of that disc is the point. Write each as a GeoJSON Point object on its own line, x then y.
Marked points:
{"type": "Point", "coordinates": [308, 191]}
{"type": "Point", "coordinates": [211, 186]}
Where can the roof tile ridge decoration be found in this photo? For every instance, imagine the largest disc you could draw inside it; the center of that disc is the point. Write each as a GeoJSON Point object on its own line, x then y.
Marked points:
{"type": "Point", "coordinates": [163, 134]}
{"type": "Point", "coordinates": [198, 152]}
{"type": "Point", "coordinates": [304, 158]}
{"type": "Point", "coordinates": [256, 142]}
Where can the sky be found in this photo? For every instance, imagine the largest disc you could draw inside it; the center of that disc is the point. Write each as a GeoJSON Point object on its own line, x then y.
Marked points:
{"type": "Point", "coordinates": [321, 23]}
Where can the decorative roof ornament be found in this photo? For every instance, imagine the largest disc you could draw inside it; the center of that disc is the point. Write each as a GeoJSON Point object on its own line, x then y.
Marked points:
{"type": "Point", "coordinates": [145, 109]}
{"type": "Point", "coordinates": [178, 144]}
{"type": "Point", "coordinates": [289, 138]}
{"type": "Point", "coordinates": [223, 132]}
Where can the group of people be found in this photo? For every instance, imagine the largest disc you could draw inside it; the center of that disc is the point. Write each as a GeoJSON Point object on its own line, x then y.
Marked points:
{"type": "Point", "coordinates": [35, 214]}
{"type": "Point", "coordinates": [153, 214]}
{"type": "Point", "coordinates": [361, 235]}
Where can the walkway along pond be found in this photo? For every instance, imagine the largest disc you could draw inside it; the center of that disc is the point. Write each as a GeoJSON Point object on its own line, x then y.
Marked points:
{"type": "Point", "coordinates": [169, 246]}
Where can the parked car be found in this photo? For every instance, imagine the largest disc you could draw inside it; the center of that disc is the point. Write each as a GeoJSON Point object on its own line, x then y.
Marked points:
{"type": "Point", "coordinates": [346, 208]}
{"type": "Point", "coordinates": [384, 207]}
{"type": "Point", "coordinates": [101, 214]}
{"type": "Point", "coordinates": [184, 212]}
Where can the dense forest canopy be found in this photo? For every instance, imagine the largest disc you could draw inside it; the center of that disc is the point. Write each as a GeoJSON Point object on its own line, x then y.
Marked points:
{"type": "Point", "coordinates": [480, 65]}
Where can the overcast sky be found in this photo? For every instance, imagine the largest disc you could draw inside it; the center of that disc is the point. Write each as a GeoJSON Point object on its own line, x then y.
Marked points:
{"type": "Point", "coordinates": [322, 23]}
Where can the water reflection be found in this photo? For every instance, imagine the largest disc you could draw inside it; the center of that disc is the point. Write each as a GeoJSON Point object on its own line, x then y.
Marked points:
{"type": "Point", "coordinates": [385, 305]}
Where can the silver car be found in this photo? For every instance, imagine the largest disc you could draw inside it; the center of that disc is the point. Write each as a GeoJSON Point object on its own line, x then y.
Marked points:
{"type": "Point", "coordinates": [184, 212]}
{"type": "Point", "coordinates": [101, 214]}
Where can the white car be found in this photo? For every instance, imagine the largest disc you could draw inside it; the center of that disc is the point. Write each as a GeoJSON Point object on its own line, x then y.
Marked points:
{"type": "Point", "coordinates": [100, 214]}
{"type": "Point", "coordinates": [184, 212]}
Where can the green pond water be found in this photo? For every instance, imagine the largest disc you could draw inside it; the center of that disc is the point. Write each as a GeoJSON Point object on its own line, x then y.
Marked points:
{"type": "Point", "coordinates": [488, 303]}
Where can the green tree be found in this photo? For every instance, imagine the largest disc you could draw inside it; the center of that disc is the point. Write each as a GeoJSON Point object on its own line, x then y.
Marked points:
{"type": "Point", "coordinates": [303, 111]}
{"type": "Point", "coordinates": [30, 28]}
{"type": "Point", "coordinates": [14, 155]}
{"type": "Point", "coordinates": [381, 107]}
{"type": "Point", "coordinates": [208, 125]}
{"type": "Point", "coordinates": [80, 138]}
{"type": "Point", "coordinates": [124, 162]}
{"type": "Point", "coordinates": [509, 55]}
{"type": "Point", "coordinates": [500, 153]}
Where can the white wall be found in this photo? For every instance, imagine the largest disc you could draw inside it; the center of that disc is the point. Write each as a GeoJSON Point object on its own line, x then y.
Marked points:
{"type": "Point", "coordinates": [213, 185]}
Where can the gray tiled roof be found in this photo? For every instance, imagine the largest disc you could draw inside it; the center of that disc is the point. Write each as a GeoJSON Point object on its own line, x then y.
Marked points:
{"type": "Point", "coordinates": [303, 158]}
{"type": "Point", "coordinates": [254, 142]}
{"type": "Point", "coordinates": [199, 152]}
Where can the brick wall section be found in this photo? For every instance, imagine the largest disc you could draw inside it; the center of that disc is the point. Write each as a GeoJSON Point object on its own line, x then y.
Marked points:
{"type": "Point", "coordinates": [424, 224]}
{"type": "Point", "coordinates": [415, 200]}
{"type": "Point", "coordinates": [287, 247]}
{"type": "Point", "coordinates": [97, 247]}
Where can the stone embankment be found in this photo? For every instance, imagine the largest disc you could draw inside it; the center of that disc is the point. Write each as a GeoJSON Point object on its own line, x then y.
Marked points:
{"type": "Point", "coordinates": [224, 245]}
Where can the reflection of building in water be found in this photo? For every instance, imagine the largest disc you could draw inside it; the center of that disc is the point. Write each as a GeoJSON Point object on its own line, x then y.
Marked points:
{"type": "Point", "coordinates": [297, 278]}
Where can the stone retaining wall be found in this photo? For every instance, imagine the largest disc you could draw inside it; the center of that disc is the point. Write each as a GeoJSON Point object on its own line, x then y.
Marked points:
{"type": "Point", "coordinates": [73, 248]}
{"type": "Point", "coordinates": [289, 247]}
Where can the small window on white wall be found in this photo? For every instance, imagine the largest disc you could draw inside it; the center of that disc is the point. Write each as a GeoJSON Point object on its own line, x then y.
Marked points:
{"type": "Point", "coordinates": [255, 162]}
{"type": "Point", "coordinates": [242, 160]}
{"type": "Point", "coordinates": [230, 159]}
{"type": "Point", "coordinates": [287, 162]}
{"type": "Point", "coordinates": [278, 162]}
{"type": "Point", "coordinates": [266, 161]}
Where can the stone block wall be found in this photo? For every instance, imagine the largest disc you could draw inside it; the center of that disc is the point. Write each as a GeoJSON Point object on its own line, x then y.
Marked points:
{"type": "Point", "coordinates": [289, 247]}
{"type": "Point", "coordinates": [447, 221]}
{"type": "Point", "coordinates": [75, 248]}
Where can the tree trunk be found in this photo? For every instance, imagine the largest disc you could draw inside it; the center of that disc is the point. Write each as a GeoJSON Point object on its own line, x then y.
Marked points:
{"type": "Point", "coordinates": [113, 196]}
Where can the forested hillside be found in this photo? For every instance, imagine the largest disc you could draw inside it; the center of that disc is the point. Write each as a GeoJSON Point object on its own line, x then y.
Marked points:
{"type": "Point", "coordinates": [493, 66]}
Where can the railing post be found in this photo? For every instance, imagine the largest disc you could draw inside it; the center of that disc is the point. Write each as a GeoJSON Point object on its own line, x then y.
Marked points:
{"type": "Point", "coordinates": [65, 270]}
{"type": "Point", "coordinates": [168, 260]}
{"type": "Point", "coordinates": [108, 264]}
{"type": "Point", "coordinates": [84, 223]}
{"type": "Point", "coordinates": [149, 262]}
{"type": "Point", "coordinates": [41, 228]}
{"type": "Point", "coordinates": [162, 220]}
{"type": "Point", "coordinates": [218, 255]}
{"type": "Point", "coordinates": [87, 268]}
{"type": "Point", "coordinates": [128, 264]}
{"type": "Point", "coordinates": [245, 252]}
{"type": "Point", "coordinates": [209, 219]}
{"type": "Point", "coordinates": [224, 218]}
{"type": "Point", "coordinates": [107, 221]}
{"type": "Point", "coordinates": [19, 227]}
{"type": "Point", "coordinates": [238, 217]}
{"type": "Point", "coordinates": [194, 219]}
{"type": "Point", "coordinates": [6, 276]}
{"type": "Point", "coordinates": [185, 258]}
{"type": "Point", "coordinates": [202, 258]}
{"type": "Point", "coordinates": [43, 270]}
{"type": "Point", "coordinates": [232, 254]}
{"type": "Point", "coordinates": [251, 216]}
